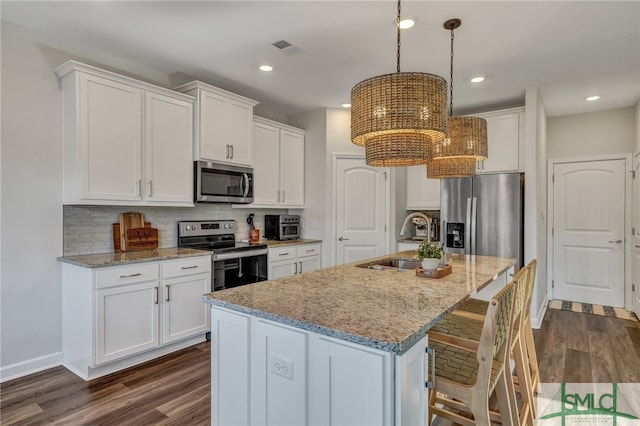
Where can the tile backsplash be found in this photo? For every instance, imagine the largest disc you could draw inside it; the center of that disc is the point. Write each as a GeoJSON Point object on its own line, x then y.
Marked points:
{"type": "Point", "coordinates": [89, 229]}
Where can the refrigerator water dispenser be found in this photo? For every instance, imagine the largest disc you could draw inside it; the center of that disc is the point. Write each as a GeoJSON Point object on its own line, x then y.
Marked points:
{"type": "Point", "coordinates": [455, 235]}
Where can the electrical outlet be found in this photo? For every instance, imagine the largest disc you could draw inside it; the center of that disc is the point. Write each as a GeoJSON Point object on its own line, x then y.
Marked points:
{"type": "Point", "coordinates": [281, 366]}
{"type": "Point", "coordinates": [314, 224]}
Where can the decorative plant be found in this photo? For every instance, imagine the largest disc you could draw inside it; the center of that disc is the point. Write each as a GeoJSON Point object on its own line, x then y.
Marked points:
{"type": "Point", "coordinates": [428, 250]}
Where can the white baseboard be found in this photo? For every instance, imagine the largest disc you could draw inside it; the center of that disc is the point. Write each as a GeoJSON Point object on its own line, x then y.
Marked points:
{"type": "Point", "coordinates": [536, 320]}
{"type": "Point", "coordinates": [30, 366]}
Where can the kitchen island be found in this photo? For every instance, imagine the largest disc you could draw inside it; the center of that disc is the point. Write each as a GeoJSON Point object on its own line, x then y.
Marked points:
{"type": "Point", "coordinates": [340, 345]}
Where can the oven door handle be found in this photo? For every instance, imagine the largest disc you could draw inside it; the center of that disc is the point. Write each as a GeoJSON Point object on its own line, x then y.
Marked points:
{"type": "Point", "coordinates": [239, 254]}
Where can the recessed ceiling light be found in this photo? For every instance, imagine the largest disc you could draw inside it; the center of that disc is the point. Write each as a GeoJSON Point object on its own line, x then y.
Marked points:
{"type": "Point", "coordinates": [346, 105]}
{"type": "Point", "coordinates": [593, 98]}
{"type": "Point", "coordinates": [406, 23]}
{"type": "Point", "coordinates": [266, 68]}
{"type": "Point", "coordinates": [478, 79]}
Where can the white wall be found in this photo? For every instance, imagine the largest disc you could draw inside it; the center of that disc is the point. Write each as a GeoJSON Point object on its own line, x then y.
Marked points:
{"type": "Point", "coordinates": [31, 203]}
{"type": "Point", "coordinates": [536, 199]}
{"type": "Point", "coordinates": [637, 150]}
{"type": "Point", "coordinates": [594, 133]}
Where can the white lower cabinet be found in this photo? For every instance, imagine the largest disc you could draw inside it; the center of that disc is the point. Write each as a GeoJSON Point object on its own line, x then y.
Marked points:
{"type": "Point", "coordinates": [293, 259]}
{"type": "Point", "coordinates": [116, 317]}
{"type": "Point", "coordinates": [263, 372]}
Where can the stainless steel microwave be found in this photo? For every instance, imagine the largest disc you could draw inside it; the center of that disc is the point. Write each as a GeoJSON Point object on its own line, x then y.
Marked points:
{"type": "Point", "coordinates": [222, 183]}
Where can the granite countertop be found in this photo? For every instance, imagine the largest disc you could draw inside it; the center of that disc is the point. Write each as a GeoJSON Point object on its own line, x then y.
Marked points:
{"type": "Point", "coordinates": [274, 243]}
{"type": "Point", "coordinates": [383, 309]}
{"type": "Point", "coordinates": [124, 258]}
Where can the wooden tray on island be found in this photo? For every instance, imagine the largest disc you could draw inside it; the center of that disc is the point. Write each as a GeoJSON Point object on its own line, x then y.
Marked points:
{"type": "Point", "coordinates": [436, 273]}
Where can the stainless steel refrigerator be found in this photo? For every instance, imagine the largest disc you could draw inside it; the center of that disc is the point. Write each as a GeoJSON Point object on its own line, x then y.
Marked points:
{"type": "Point", "coordinates": [484, 215]}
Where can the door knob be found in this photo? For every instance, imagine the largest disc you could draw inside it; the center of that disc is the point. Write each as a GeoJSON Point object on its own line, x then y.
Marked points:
{"type": "Point", "coordinates": [343, 239]}
{"type": "Point", "coordinates": [616, 241]}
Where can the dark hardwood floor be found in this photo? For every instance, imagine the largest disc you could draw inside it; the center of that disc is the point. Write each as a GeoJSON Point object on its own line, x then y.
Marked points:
{"type": "Point", "coordinates": [174, 390]}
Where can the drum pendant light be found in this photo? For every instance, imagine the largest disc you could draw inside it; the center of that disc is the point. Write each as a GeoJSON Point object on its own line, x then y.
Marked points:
{"type": "Point", "coordinates": [397, 117]}
{"type": "Point", "coordinates": [466, 142]}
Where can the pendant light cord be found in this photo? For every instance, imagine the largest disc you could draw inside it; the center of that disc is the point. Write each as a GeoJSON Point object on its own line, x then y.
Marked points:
{"type": "Point", "coordinates": [398, 42]}
{"type": "Point", "coordinates": [451, 77]}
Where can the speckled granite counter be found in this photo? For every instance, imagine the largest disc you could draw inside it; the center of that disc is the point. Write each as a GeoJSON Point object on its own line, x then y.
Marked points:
{"type": "Point", "coordinates": [273, 243]}
{"type": "Point", "coordinates": [387, 309]}
{"type": "Point", "coordinates": [115, 259]}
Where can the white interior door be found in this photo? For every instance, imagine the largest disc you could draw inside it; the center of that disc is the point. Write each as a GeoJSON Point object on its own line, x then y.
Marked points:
{"type": "Point", "coordinates": [588, 232]}
{"type": "Point", "coordinates": [360, 193]}
{"type": "Point", "coordinates": [635, 239]}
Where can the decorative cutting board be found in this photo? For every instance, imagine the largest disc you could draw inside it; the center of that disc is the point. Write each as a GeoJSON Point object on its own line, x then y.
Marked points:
{"type": "Point", "coordinates": [138, 239]}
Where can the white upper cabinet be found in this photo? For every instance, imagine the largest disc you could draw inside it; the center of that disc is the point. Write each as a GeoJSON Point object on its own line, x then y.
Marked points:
{"type": "Point", "coordinates": [505, 135]}
{"type": "Point", "coordinates": [422, 193]}
{"type": "Point", "coordinates": [223, 124]}
{"type": "Point", "coordinates": [168, 146]}
{"type": "Point", "coordinates": [126, 142]}
{"type": "Point", "coordinates": [278, 169]}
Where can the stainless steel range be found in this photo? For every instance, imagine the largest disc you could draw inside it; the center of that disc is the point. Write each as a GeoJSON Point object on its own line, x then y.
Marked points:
{"type": "Point", "coordinates": [234, 263]}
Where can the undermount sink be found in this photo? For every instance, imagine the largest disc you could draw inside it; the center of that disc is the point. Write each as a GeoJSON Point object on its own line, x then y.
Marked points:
{"type": "Point", "coordinates": [392, 263]}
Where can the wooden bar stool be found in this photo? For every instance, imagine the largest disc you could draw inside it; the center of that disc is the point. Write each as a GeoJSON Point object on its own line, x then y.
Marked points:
{"type": "Point", "coordinates": [475, 309]}
{"type": "Point", "coordinates": [465, 380]}
{"type": "Point", "coordinates": [464, 324]}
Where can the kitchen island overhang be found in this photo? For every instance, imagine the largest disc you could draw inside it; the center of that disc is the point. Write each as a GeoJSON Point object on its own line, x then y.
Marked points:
{"type": "Point", "coordinates": [344, 342]}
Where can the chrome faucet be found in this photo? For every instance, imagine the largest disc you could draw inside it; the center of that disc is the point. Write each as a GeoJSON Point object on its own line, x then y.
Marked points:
{"type": "Point", "coordinates": [411, 216]}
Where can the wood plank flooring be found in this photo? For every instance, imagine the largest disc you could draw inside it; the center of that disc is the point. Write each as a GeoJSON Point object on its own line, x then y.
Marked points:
{"type": "Point", "coordinates": [174, 390]}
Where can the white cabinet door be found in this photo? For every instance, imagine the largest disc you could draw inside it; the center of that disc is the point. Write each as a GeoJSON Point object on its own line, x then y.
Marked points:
{"type": "Point", "coordinates": [348, 384]}
{"type": "Point", "coordinates": [266, 170]}
{"type": "Point", "coordinates": [110, 126]}
{"type": "Point", "coordinates": [422, 193]}
{"type": "Point", "coordinates": [230, 368]}
{"type": "Point", "coordinates": [126, 320]}
{"type": "Point", "coordinates": [214, 126]}
{"type": "Point", "coordinates": [241, 119]}
{"type": "Point", "coordinates": [402, 246]}
{"type": "Point", "coordinates": [291, 169]}
{"type": "Point", "coordinates": [281, 269]}
{"type": "Point", "coordinates": [278, 374]}
{"type": "Point", "coordinates": [308, 264]}
{"type": "Point", "coordinates": [184, 314]}
{"type": "Point", "coordinates": [168, 149]}
{"type": "Point", "coordinates": [411, 377]}
{"type": "Point", "coordinates": [503, 136]}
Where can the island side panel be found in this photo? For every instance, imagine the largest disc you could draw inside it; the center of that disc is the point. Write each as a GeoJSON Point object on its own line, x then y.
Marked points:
{"type": "Point", "coordinates": [410, 380]}
{"type": "Point", "coordinates": [230, 368]}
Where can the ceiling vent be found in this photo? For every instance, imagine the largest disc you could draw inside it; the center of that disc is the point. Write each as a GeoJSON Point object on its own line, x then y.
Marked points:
{"type": "Point", "coordinates": [282, 44]}
{"type": "Point", "coordinates": [287, 48]}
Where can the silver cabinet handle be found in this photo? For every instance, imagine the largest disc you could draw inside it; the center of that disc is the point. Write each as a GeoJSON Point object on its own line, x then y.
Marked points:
{"type": "Point", "coordinates": [137, 274]}
{"type": "Point", "coordinates": [231, 146]}
{"type": "Point", "coordinates": [167, 299]}
{"type": "Point", "coordinates": [227, 154]}
{"type": "Point", "coordinates": [150, 188]}
{"type": "Point", "coordinates": [300, 266]}
{"type": "Point", "coordinates": [295, 264]}
{"type": "Point", "coordinates": [430, 354]}
{"type": "Point", "coordinates": [157, 296]}
{"type": "Point", "coordinates": [343, 239]}
{"type": "Point", "coordinates": [616, 241]}
{"type": "Point", "coordinates": [278, 195]}
{"type": "Point", "coordinates": [283, 195]}
{"type": "Point", "coordinates": [189, 267]}
{"type": "Point", "coordinates": [283, 254]}
{"type": "Point", "coordinates": [139, 183]}
{"type": "Point", "coordinates": [637, 246]}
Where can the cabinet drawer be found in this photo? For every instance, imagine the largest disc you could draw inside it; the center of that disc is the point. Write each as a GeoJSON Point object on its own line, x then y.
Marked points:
{"type": "Point", "coordinates": [188, 266]}
{"type": "Point", "coordinates": [308, 250]}
{"type": "Point", "coordinates": [127, 274]}
{"type": "Point", "coordinates": [282, 253]}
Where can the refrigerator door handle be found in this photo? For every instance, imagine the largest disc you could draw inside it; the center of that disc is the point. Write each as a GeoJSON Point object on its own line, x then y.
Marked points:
{"type": "Point", "coordinates": [474, 217]}
{"type": "Point", "coordinates": [467, 232]}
